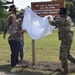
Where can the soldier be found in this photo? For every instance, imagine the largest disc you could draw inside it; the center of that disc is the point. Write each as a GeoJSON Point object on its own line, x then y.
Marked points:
{"type": "Point", "coordinates": [22, 36]}
{"type": "Point", "coordinates": [65, 33]}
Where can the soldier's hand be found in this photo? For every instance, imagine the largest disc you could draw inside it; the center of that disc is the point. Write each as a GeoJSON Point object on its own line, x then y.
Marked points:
{"type": "Point", "coordinates": [50, 18]}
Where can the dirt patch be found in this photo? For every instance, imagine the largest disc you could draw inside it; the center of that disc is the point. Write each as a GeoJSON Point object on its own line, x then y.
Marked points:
{"type": "Point", "coordinates": [52, 66]}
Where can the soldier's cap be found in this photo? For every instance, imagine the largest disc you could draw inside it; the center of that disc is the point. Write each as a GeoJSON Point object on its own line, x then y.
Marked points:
{"type": "Point", "coordinates": [11, 7]}
{"type": "Point", "coordinates": [63, 10]}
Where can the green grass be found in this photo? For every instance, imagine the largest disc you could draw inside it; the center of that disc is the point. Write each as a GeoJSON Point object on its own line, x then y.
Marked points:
{"type": "Point", "coordinates": [47, 49]}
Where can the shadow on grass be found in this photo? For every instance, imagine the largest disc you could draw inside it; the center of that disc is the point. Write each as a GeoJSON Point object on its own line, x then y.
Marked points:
{"type": "Point", "coordinates": [6, 69]}
{"type": "Point", "coordinates": [40, 66]}
{"type": "Point", "coordinates": [23, 71]}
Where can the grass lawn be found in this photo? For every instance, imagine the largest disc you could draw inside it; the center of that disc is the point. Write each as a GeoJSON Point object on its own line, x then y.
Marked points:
{"type": "Point", "coordinates": [47, 50]}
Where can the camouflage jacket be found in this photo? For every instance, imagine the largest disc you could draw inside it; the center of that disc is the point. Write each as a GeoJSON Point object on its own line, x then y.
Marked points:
{"type": "Point", "coordinates": [64, 26]}
{"type": "Point", "coordinates": [20, 27]}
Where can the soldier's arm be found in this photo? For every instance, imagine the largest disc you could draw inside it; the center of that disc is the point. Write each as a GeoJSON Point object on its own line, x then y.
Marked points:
{"type": "Point", "coordinates": [69, 21]}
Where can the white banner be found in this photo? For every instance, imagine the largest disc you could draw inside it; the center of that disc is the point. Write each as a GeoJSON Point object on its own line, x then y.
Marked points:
{"type": "Point", "coordinates": [36, 26]}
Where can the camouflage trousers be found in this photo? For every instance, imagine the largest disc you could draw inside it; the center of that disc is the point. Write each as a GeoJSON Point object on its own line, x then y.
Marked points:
{"type": "Point", "coordinates": [21, 49]}
{"type": "Point", "coordinates": [65, 55]}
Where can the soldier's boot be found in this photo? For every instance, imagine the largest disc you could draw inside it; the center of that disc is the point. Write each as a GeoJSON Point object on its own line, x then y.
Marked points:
{"type": "Point", "coordinates": [71, 58]}
{"type": "Point", "coordinates": [65, 70]}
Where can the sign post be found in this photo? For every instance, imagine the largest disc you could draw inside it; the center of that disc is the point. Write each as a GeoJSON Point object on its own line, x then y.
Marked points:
{"type": "Point", "coordinates": [43, 9]}
{"type": "Point", "coordinates": [33, 52]}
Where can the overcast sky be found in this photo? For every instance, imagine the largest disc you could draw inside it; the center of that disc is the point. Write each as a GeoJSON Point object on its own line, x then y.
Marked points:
{"type": "Point", "coordinates": [21, 4]}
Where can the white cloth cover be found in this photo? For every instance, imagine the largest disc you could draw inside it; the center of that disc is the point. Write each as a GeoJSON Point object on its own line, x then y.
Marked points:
{"type": "Point", "coordinates": [36, 26]}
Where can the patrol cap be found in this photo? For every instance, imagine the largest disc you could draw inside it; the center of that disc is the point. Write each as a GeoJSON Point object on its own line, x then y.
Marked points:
{"type": "Point", "coordinates": [63, 10]}
{"type": "Point", "coordinates": [11, 7]}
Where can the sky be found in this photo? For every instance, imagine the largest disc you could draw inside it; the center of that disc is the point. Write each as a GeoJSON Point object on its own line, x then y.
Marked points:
{"type": "Point", "coordinates": [22, 4]}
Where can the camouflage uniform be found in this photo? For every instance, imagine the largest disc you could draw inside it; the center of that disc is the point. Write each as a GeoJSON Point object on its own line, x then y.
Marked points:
{"type": "Point", "coordinates": [65, 34]}
{"type": "Point", "coordinates": [21, 41]}
{"type": "Point", "coordinates": [20, 16]}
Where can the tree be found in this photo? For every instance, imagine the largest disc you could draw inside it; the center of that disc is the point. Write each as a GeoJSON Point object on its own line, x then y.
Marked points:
{"type": "Point", "coordinates": [3, 13]}
{"type": "Point", "coordinates": [70, 5]}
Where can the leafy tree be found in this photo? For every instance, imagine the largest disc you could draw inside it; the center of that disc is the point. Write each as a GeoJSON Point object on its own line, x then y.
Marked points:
{"type": "Point", "coordinates": [70, 5]}
{"type": "Point", "coordinates": [3, 12]}
{"type": "Point", "coordinates": [1, 9]}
